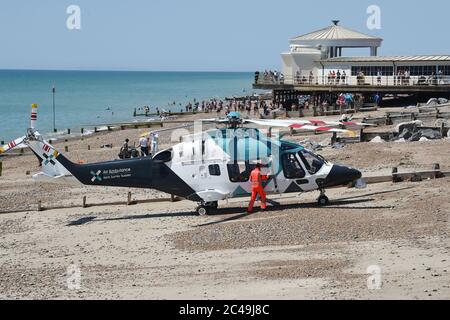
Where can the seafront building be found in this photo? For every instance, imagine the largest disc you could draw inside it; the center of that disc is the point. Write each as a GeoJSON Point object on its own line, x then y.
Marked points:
{"type": "Point", "coordinates": [315, 65]}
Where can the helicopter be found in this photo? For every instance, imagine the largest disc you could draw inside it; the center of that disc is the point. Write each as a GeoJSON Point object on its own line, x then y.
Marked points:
{"type": "Point", "coordinates": [208, 166]}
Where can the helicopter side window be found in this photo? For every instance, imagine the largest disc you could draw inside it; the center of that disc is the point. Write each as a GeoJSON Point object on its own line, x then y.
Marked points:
{"type": "Point", "coordinates": [291, 167]}
{"type": "Point", "coordinates": [214, 170]}
{"type": "Point", "coordinates": [238, 172]}
{"type": "Point", "coordinates": [164, 156]}
{"type": "Point", "coordinates": [312, 162]}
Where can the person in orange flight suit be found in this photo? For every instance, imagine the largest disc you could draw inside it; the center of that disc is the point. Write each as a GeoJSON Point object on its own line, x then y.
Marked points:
{"type": "Point", "coordinates": [256, 179]}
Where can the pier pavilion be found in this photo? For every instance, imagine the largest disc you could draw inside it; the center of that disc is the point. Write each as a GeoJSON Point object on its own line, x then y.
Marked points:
{"type": "Point", "coordinates": [316, 65]}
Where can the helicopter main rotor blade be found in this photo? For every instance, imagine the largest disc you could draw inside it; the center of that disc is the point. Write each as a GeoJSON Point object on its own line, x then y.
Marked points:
{"type": "Point", "coordinates": [11, 145]}
{"type": "Point", "coordinates": [319, 123]}
{"type": "Point", "coordinates": [19, 141]}
{"type": "Point", "coordinates": [297, 126]}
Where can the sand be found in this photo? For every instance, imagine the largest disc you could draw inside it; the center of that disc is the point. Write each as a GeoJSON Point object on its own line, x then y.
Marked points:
{"type": "Point", "coordinates": [293, 251]}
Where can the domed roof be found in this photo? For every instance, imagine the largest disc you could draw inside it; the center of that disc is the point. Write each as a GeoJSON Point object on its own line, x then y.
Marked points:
{"type": "Point", "coordinates": [336, 35]}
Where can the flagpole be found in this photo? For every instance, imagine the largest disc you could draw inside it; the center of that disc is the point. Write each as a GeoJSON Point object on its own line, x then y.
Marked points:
{"type": "Point", "coordinates": [54, 121]}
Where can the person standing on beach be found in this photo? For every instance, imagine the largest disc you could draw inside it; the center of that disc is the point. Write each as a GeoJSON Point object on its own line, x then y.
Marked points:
{"type": "Point", "coordinates": [143, 144]}
{"type": "Point", "coordinates": [125, 150]}
{"type": "Point", "coordinates": [154, 143]}
{"type": "Point", "coordinates": [256, 179]}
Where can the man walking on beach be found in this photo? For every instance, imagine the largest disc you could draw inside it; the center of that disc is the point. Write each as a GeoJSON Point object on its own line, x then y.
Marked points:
{"type": "Point", "coordinates": [256, 179]}
{"type": "Point", "coordinates": [143, 144]}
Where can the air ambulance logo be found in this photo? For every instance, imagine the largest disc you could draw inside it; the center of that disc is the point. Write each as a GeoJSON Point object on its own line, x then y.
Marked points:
{"type": "Point", "coordinates": [49, 156]}
{"type": "Point", "coordinates": [96, 176]}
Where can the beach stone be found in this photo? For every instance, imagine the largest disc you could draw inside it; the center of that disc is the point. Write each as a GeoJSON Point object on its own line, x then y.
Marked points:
{"type": "Point", "coordinates": [411, 126]}
{"type": "Point", "coordinates": [406, 134]}
{"type": "Point", "coordinates": [431, 134]}
{"type": "Point", "coordinates": [377, 139]}
{"type": "Point", "coordinates": [432, 102]}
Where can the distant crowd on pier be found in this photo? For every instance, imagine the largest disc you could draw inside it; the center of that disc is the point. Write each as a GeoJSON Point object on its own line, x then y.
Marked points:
{"type": "Point", "coordinates": [269, 76]}
{"type": "Point", "coordinates": [247, 106]}
{"type": "Point", "coordinates": [403, 77]}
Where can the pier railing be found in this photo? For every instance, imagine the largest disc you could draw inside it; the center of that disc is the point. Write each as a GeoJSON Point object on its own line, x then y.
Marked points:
{"type": "Point", "coordinates": [345, 80]}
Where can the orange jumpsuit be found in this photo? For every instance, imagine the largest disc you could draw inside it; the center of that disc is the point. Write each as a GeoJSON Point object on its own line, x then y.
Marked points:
{"type": "Point", "coordinates": [256, 178]}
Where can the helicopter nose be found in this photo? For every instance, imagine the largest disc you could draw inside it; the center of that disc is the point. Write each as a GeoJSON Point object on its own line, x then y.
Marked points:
{"type": "Point", "coordinates": [340, 175]}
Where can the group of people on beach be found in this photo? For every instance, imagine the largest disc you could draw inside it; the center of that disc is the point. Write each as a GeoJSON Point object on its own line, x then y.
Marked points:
{"type": "Point", "coordinates": [249, 106]}
{"type": "Point", "coordinates": [205, 105]}
{"type": "Point", "coordinates": [147, 143]}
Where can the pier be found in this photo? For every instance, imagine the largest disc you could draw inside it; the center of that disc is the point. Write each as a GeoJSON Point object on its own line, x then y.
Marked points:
{"type": "Point", "coordinates": [316, 66]}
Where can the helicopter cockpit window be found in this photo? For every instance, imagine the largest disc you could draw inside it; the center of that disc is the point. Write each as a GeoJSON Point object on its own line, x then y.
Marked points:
{"type": "Point", "coordinates": [312, 162]}
{"type": "Point", "coordinates": [291, 167]}
{"type": "Point", "coordinates": [238, 171]}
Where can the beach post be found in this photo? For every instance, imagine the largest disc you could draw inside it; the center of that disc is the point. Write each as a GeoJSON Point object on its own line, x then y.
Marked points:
{"type": "Point", "coordinates": [437, 171]}
{"type": "Point", "coordinates": [395, 177]}
{"type": "Point", "coordinates": [334, 138]}
{"type": "Point", "coordinates": [84, 202]}
{"type": "Point", "coordinates": [129, 198]}
{"type": "Point", "coordinates": [1, 168]}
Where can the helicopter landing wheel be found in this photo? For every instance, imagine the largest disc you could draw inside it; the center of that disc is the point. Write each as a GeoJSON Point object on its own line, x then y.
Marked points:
{"type": "Point", "coordinates": [323, 201]}
{"type": "Point", "coordinates": [207, 208]}
{"type": "Point", "coordinates": [202, 210]}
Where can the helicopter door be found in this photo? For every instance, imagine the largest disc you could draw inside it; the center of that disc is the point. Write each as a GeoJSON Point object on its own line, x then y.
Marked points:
{"type": "Point", "coordinates": [312, 164]}
{"type": "Point", "coordinates": [294, 169]}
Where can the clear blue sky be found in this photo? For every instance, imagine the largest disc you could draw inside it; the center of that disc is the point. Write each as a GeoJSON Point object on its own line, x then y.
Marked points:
{"type": "Point", "coordinates": [203, 35]}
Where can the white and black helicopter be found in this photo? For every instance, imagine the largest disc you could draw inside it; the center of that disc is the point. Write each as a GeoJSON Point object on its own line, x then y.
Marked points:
{"type": "Point", "coordinates": [207, 166]}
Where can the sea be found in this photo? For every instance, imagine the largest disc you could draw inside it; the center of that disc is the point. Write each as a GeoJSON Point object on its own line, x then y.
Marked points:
{"type": "Point", "coordinates": [88, 98]}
